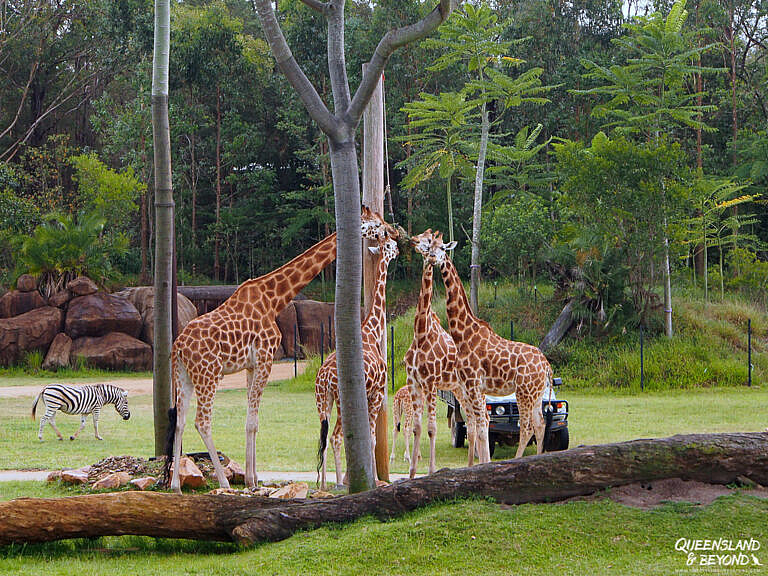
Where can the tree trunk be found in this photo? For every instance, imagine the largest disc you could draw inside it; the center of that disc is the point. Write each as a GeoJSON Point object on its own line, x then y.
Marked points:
{"type": "Point", "coordinates": [216, 261]}
{"type": "Point", "coordinates": [667, 285]}
{"type": "Point", "coordinates": [714, 458]}
{"type": "Point", "coordinates": [478, 211]}
{"type": "Point", "coordinates": [373, 197]}
{"type": "Point", "coordinates": [559, 329]}
{"type": "Point", "coordinates": [349, 343]}
{"type": "Point", "coordinates": [164, 208]}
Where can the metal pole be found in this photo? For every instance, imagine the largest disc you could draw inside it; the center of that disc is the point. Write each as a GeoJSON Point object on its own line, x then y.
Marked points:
{"type": "Point", "coordinates": [749, 351]}
{"type": "Point", "coordinates": [392, 354]}
{"type": "Point", "coordinates": [642, 367]}
{"type": "Point", "coordinates": [511, 329]}
{"type": "Point", "coordinates": [322, 343]}
{"type": "Point", "coordinates": [295, 350]}
{"type": "Point", "coordinates": [535, 295]}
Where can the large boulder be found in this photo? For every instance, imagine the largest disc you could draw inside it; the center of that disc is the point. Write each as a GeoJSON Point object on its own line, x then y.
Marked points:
{"type": "Point", "coordinates": [286, 320]}
{"type": "Point", "coordinates": [26, 283]}
{"type": "Point", "coordinates": [142, 297]}
{"type": "Point", "coordinates": [314, 319]}
{"type": "Point", "coordinates": [115, 351]}
{"type": "Point", "coordinates": [82, 286]}
{"type": "Point", "coordinates": [101, 313]}
{"type": "Point", "coordinates": [60, 298]}
{"type": "Point", "coordinates": [58, 352]}
{"type": "Point", "coordinates": [34, 330]}
{"type": "Point", "coordinates": [16, 302]}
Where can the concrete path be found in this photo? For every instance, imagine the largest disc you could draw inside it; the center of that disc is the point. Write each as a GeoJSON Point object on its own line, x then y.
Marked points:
{"type": "Point", "coordinates": [136, 386]}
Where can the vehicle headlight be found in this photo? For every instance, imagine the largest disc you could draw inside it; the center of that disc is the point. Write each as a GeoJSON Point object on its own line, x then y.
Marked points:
{"type": "Point", "coordinates": [499, 410]}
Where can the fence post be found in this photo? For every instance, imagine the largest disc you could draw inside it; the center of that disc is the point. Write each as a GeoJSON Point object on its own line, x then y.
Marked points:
{"type": "Point", "coordinates": [511, 329]}
{"type": "Point", "coordinates": [642, 367]}
{"type": "Point", "coordinates": [535, 295]}
{"type": "Point", "coordinates": [749, 352]}
{"type": "Point", "coordinates": [295, 350]}
{"type": "Point", "coordinates": [322, 343]}
{"type": "Point", "coordinates": [392, 354]}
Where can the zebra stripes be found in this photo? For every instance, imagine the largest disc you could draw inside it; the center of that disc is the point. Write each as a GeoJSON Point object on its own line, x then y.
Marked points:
{"type": "Point", "coordinates": [81, 400]}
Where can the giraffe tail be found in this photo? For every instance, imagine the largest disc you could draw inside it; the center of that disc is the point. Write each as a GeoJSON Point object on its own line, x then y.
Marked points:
{"type": "Point", "coordinates": [321, 446]}
{"type": "Point", "coordinates": [169, 438]}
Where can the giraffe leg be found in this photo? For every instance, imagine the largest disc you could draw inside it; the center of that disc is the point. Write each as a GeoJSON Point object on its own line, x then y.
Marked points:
{"type": "Point", "coordinates": [526, 426]}
{"type": "Point", "coordinates": [432, 428]}
{"type": "Point", "coordinates": [183, 397]}
{"type": "Point", "coordinates": [467, 405]}
{"type": "Point", "coordinates": [257, 379]}
{"type": "Point", "coordinates": [477, 399]}
{"type": "Point", "coordinates": [205, 387]}
{"type": "Point", "coordinates": [539, 428]}
{"type": "Point", "coordinates": [336, 438]}
{"type": "Point", "coordinates": [96, 413]}
{"type": "Point", "coordinates": [406, 436]}
{"type": "Point", "coordinates": [417, 400]}
{"type": "Point", "coordinates": [83, 418]}
{"type": "Point", "coordinates": [396, 423]}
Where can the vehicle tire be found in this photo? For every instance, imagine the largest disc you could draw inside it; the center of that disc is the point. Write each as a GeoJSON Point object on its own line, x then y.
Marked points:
{"type": "Point", "coordinates": [558, 441]}
{"type": "Point", "coordinates": [491, 444]}
{"type": "Point", "coordinates": [458, 432]}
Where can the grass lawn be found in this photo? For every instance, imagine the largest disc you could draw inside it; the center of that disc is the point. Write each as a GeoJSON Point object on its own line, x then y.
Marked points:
{"type": "Point", "coordinates": [464, 537]}
{"type": "Point", "coordinates": [289, 426]}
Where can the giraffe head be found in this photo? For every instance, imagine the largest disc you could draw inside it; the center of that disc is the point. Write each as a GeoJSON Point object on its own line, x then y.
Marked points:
{"type": "Point", "coordinates": [430, 245]}
{"type": "Point", "coordinates": [374, 227]}
{"type": "Point", "coordinates": [388, 249]}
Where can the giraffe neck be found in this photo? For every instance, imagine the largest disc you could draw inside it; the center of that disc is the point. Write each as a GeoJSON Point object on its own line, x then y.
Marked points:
{"type": "Point", "coordinates": [424, 307]}
{"type": "Point", "coordinates": [278, 288]}
{"type": "Point", "coordinates": [460, 315]}
{"type": "Point", "coordinates": [375, 321]}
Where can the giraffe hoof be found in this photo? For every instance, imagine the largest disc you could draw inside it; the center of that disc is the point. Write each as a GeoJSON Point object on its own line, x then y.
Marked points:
{"type": "Point", "coordinates": [71, 437]}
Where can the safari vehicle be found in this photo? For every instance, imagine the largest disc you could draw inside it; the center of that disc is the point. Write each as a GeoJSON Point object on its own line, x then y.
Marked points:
{"type": "Point", "coordinates": [504, 426]}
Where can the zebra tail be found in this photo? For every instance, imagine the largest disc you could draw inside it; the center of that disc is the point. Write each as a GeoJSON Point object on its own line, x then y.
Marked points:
{"type": "Point", "coordinates": [169, 438]}
{"type": "Point", "coordinates": [34, 406]}
{"type": "Point", "coordinates": [322, 445]}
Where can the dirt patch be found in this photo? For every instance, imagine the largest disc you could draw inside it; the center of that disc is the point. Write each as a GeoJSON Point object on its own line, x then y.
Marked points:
{"type": "Point", "coordinates": [649, 495]}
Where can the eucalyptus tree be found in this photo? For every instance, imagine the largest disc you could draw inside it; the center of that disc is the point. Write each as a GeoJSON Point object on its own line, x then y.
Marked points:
{"type": "Point", "coordinates": [164, 229]}
{"type": "Point", "coordinates": [649, 96]}
{"type": "Point", "coordinates": [340, 127]}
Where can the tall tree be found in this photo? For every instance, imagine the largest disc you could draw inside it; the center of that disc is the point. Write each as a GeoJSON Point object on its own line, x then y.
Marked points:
{"type": "Point", "coordinates": [340, 127]}
{"type": "Point", "coordinates": [164, 227]}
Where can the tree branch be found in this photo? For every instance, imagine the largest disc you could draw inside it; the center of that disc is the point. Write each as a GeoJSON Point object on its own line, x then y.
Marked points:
{"type": "Point", "coordinates": [391, 41]}
{"type": "Point", "coordinates": [293, 72]}
{"type": "Point", "coordinates": [337, 65]}
{"type": "Point", "coordinates": [315, 5]}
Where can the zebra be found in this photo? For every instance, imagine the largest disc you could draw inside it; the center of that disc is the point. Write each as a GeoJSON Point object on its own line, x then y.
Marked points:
{"type": "Point", "coordinates": [82, 400]}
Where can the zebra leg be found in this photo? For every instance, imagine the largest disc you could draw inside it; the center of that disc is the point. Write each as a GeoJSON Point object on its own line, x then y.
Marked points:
{"type": "Point", "coordinates": [52, 422]}
{"type": "Point", "coordinates": [43, 420]}
{"type": "Point", "coordinates": [96, 412]}
{"type": "Point", "coordinates": [82, 425]}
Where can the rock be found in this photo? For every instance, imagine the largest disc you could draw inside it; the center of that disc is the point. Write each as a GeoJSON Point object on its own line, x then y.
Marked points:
{"type": "Point", "coordinates": [26, 283]}
{"type": "Point", "coordinates": [58, 352]}
{"type": "Point", "coordinates": [79, 476]}
{"type": "Point", "coordinates": [54, 476]}
{"type": "Point", "coordinates": [16, 303]}
{"type": "Point", "coordinates": [82, 286]}
{"type": "Point", "coordinates": [234, 472]}
{"type": "Point", "coordinates": [313, 319]}
{"type": "Point", "coordinates": [190, 474]}
{"type": "Point", "coordinates": [264, 492]}
{"type": "Point", "coordinates": [144, 483]}
{"type": "Point", "coordinates": [228, 491]}
{"type": "Point", "coordinates": [115, 351]}
{"type": "Point", "coordinates": [100, 313]}
{"type": "Point", "coordinates": [142, 298]}
{"type": "Point", "coordinates": [286, 320]}
{"type": "Point", "coordinates": [321, 494]}
{"type": "Point", "coordinates": [112, 481]}
{"type": "Point", "coordinates": [60, 299]}
{"type": "Point", "coordinates": [34, 330]}
{"type": "Point", "coordinates": [295, 490]}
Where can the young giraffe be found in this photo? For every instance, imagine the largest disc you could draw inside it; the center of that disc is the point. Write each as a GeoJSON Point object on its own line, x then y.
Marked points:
{"type": "Point", "coordinates": [402, 418]}
{"type": "Point", "coordinates": [430, 364]}
{"type": "Point", "coordinates": [240, 334]}
{"type": "Point", "coordinates": [491, 363]}
{"type": "Point", "coordinates": [374, 364]}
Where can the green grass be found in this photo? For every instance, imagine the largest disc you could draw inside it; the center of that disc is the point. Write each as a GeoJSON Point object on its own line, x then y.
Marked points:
{"type": "Point", "coordinates": [463, 537]}
{"type": "Point", "coordinates": [289, 426]}
{"type": "Point", "coordinates": [24, 376]}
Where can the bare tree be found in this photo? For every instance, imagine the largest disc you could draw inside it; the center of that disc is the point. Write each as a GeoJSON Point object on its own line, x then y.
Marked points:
{"type": "Point", "coordinates": [340, 127]}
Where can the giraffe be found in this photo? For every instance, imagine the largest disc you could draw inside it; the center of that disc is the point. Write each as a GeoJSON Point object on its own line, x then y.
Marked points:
{"type": "Point", "coordinates": [374, 364]}
{"type": "Point", "coordinates": [240, 334]}
{"type": "Point", "coordinates": [402, 417]}
{"type": "Point", "coordinates": [493, 364]}
{"type": "Point", "coordinates": [430, 364]}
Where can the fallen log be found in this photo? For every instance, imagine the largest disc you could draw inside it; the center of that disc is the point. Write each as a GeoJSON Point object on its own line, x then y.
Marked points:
{"type": "Point", "coordinates": [559, 329]}
{"type": "Point", "coordinates": [714, 458]}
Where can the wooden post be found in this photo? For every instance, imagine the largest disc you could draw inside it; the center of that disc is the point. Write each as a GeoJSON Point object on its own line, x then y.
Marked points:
{"type": "Point", "coordinates": [373, 197]}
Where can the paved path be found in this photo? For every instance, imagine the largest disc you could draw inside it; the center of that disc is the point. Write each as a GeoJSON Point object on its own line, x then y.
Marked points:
{"type": "Point", "coordinates": [136, 386]}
